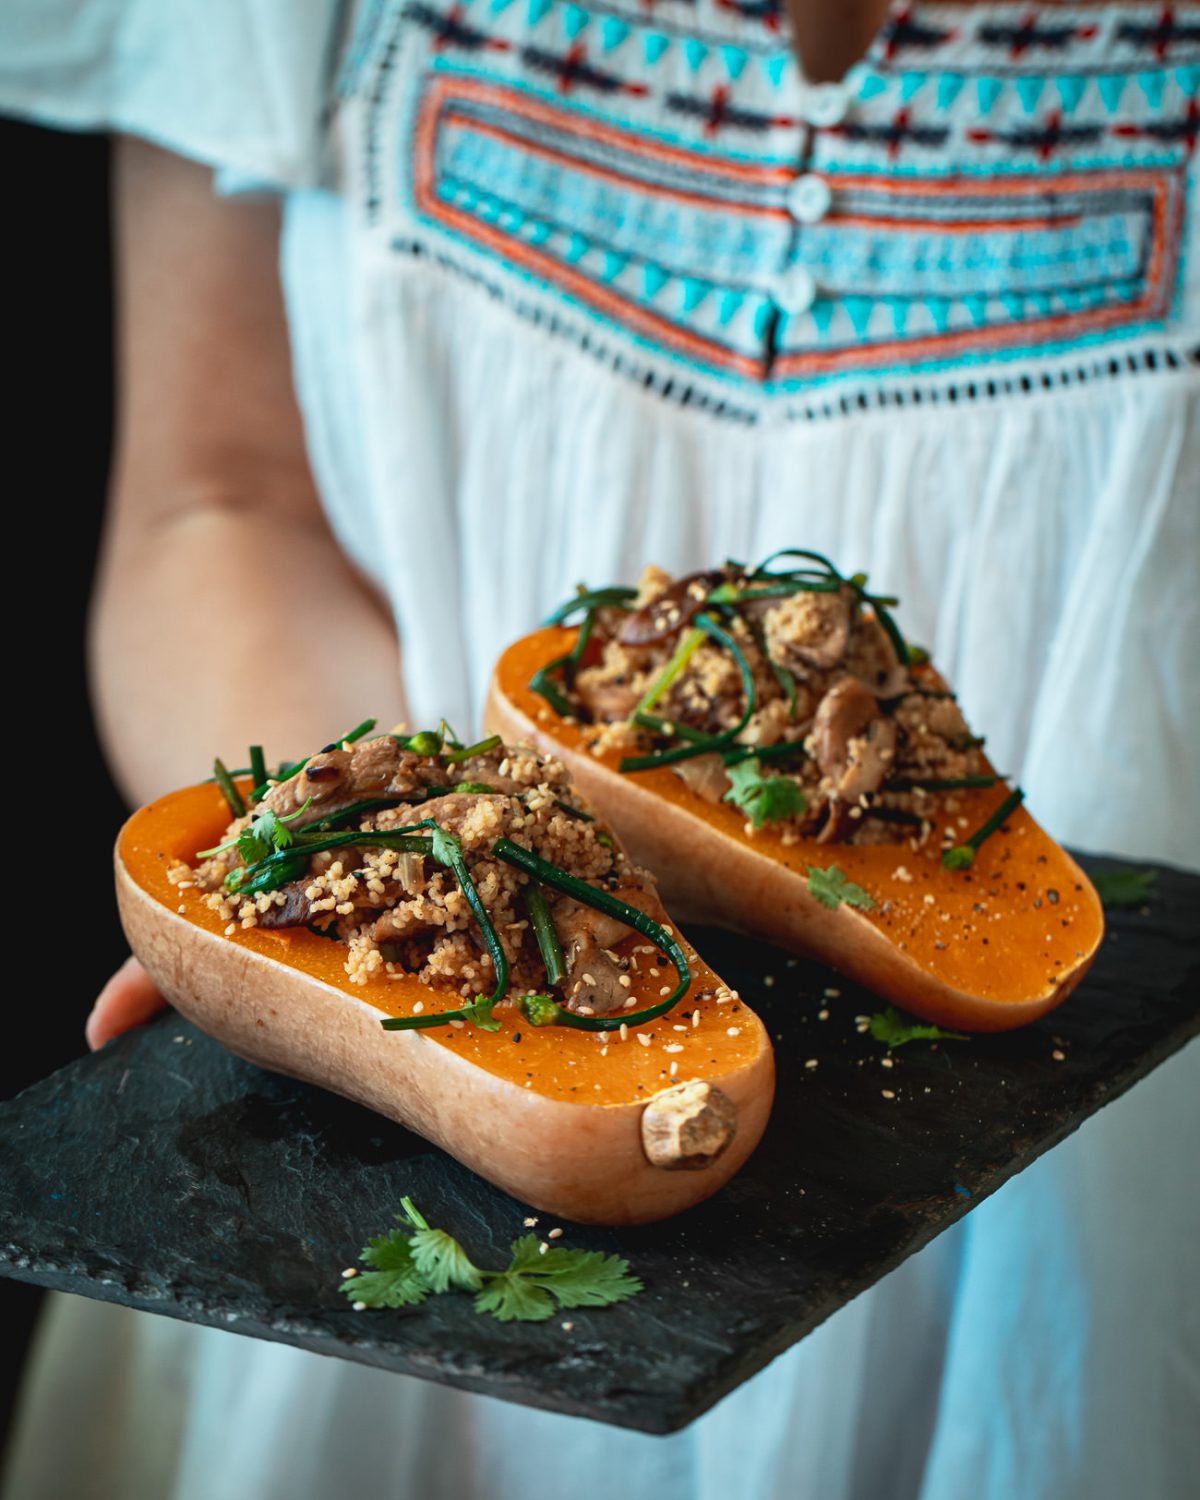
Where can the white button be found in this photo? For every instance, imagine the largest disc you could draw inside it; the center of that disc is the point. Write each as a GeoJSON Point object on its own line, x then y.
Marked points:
{"type": "Point", "coordinates": [825, 104]}
{"type": "Point", "coordinates": [808, 199]}
{"type": "Point", "coordinates": [797, 290]}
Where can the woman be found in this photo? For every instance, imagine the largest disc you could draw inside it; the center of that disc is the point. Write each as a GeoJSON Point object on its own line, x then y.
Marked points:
{"type": "Point", "coordinates": [568, 289]}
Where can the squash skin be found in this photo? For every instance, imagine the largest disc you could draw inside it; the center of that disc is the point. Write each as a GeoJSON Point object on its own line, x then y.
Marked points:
{"type": "Point", "coordinates": [998, 978]}
{"type": "Point", "coordinates": [577, 1160]}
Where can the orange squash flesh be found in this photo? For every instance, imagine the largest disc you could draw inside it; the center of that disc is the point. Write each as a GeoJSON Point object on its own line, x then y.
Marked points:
{"type": "Point", "coordinates": [579, 1077]}
{"type": "Point", "coordinates": [984, 949]}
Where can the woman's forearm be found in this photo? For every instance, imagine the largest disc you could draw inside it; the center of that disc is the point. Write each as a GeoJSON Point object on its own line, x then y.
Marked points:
{"type": "Point", "coordinates": [220, 625]}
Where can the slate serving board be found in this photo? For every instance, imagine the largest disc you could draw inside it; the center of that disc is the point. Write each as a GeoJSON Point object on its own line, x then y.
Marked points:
{"type": "Point", "coordinates": [167, 1175]}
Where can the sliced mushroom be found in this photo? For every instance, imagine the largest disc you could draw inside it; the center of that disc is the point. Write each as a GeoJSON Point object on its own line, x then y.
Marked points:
{"type": "Point", "coordinates": [810, 630]}
{"type": "Point", "coordinates": [855, 746]}
{"type": "Point", "coordinates": [336, 778]}
{"type": "Point", "coordinates": [872, 659]}
{"type": "Point", "coordinates": [593, 983]}
{"type": "Point", "coordinates": [705, 775]}
{"type": "Point", "coordinates": [687, 1127]}
{"type": "Point", "coordinates": [671, 610]}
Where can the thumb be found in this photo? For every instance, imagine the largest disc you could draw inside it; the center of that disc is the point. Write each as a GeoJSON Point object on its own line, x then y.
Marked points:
{"type": "Point", "coordinates": [129, 998]}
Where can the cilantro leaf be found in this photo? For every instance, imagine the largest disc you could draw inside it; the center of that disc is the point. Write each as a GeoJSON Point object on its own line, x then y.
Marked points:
{"type": "Point", "coordinates": [1124, 888]}
{"type": "Point", "coordinates": [447, 847]}
{"type": "Point", "coordinates": [573, 1278]}
{"type": "Point", "coordinates": [480, 1014]}
{"type": "Point", "coordinates": [511, 1297]}
{"type": "Point", "coordinates": [396, 1280]}
{"type": "Point", "coordinates": [587, 1278]}
{"type": "Point", "coordinates": [895, 1029]}
{"type": "Point", "coordinates": [442, 1262]}
{"type": "Point", "coordinates": [831, 888]}
{"type": "Point", "coordinates": [764, 799]}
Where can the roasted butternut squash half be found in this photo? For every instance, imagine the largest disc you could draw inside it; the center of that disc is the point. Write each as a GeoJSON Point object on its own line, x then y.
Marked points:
{"type": "Point", "coordinates": [450, 936]}
{"type": "Point", "coordinates": [765, 741]}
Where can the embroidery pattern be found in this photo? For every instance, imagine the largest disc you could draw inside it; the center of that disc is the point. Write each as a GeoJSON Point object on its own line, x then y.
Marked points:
{"type": "Point", "coordinates": [625, 175]}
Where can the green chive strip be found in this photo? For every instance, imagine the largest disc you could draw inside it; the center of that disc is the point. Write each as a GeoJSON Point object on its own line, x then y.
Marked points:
{"type": "Point", "coordinates": [683, 654]}
{"type": "Point", "coordinates": [713, 742]}
{"type": "Point", "coordinates": [672, 728]}
{"type": "Point", "coordinates": [228, 790]}
{"type": "Point", "coordinates": [962, 856]}
{"type": "Point", "coordinates": [258, 766]}
{"type": "Point", "coordinates": [466, 752]}
{"type": "Point", "coordinates": [590, 599]}
{"type": "Point", "coordinates": [545, 932]}
{"type": "Point", "coordinates": [542, 681]}
{"type": "Point", "coordinates": [762, 570]}
{"type": "Point", "coordinates": [785, 750]}
{"type": "Point", "coordinates": [946, 784]}
{"type": "Point", "coordinates": [632, 916]}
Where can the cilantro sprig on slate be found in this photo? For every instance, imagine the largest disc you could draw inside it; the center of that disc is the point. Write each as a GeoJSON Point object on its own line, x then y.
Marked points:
{"type": "Point", "coordinates": [1120, 890]}
{"type": "Point", "coordinates": [894, 1028]}
{"type": "Point", "coordinates": [831, 887]}
{"type": "Point", "coordinates": [764, 799]}
{"type": "Point", "coordinates": [416, 1261]}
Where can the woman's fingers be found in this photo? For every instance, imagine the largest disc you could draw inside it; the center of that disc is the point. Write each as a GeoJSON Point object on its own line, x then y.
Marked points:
{"type": "Point", "coordinates": [128, 999]}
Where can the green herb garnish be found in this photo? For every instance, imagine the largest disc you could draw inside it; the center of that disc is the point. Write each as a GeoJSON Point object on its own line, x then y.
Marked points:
{"type": "Point", "coordinates": [1120, 890]}
{"type": "Point", "coordinates": [831, 888]}
{"type": "Point", "coordinates": [416, 1261]}
{"type": "Point", "coordinates": [267, 833]}
{"type": "Point", "coordinates": [764, 799]}
{"type": "Point", "coordinates": [894, 1028]}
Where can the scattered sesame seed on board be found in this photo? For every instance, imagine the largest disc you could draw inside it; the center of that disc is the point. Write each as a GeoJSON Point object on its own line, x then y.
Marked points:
{"type": "Point", "coordinates": [822, 1015]}
{"type": "Point", "coordinates": [888, 1093]}
{"type": "Point", "coordinates": [886, 1062]}
{"type": "Point", "coordinates": [567, 1327]}
{"type": "Point", "coordinates": [1059, 1055]}
{"type": "Point", "coordinates": [811, 1062]}
{"type": "Point", "coordinates": [529, 1223]}
{"type": "Point", "coordinates": [555, 1234]}
{"type": "Point", "coordinates": [833, 994]}
{"type": "Point", "coordinates": [348, 1272]}
{"type": "Point", "coordinates": [359, 1306]}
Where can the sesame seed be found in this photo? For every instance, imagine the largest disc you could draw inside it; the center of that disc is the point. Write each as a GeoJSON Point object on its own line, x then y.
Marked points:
{"type": "Point", "coordinates": [1058, 1055]}
{"type": "Point", "coordinates": [603, 1053]}
{"type": "Point", "coordinates": [888, 1093]}
{"type": "Point", "coordinates": [348, 1272]}
{"type": "Point", "coordinates": [625, 982]}
{"type": "Point", "coordinates": [822, 1015]}
{"type": "Point", "coordinates": [886, 1062]}
{"type": "Point", "coordinates": [811, 1063]}
{"type": "Point", "coordinates": [623, 1032]}
{"type": "Point", "coordinates": [643, 1038]}
{"type": "Point", "coordinates": [566, 1327]}
{"type": "Point", "coordinates": [359, 1306]}
{"type": "Point", "coordinates": [631, 1002]}
{"type": "Point", "coordinates": [231, 929]}
{"type": "Point", "coordinates": [733, 1031]}
{"type": "Point", "coordinates": [181, 909]}
{"type": "Point", "coordinates": [673, 1047]}
{"type": "Point", "coordinates": [666, 990]}
{"type": "Point", "coordinates": [695, 1019]}
{"type": "Point", "coordinates": [674, 1069]}
{"type": "Point", "coordinates": [458, 1025]}
{"type": "Point", "coordinates": [543, 1247]}
{"type": "Point", "coordinates": [768, 980]}
{"type": "Point", "coordinates": [555, 1234]}
{"type": "Point", "coordinates": [678, 1028]}
{"type": "Point", "coordinates": [653, 973]}
{"type": "Point", "coordinates": [833, 994]}
{"type": "Point", "coordinates": [418, 1007]}
{"type": "Point", "coordinates": [589, 979]}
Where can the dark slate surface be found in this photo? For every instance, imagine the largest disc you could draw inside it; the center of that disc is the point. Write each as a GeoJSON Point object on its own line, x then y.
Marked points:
{"type": "Point", "coordinates": [167, 1175]}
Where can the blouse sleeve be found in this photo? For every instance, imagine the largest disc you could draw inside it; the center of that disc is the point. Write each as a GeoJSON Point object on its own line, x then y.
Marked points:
{"type": "Point", "coordinates": [237, 84]}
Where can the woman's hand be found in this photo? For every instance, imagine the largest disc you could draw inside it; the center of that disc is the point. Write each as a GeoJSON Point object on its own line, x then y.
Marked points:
{"type": "Point", "coordinates": [128, 999]}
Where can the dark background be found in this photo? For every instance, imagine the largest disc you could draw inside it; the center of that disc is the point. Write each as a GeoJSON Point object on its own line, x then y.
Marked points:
{"type": "Point", "coordinates": [57, 354]}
